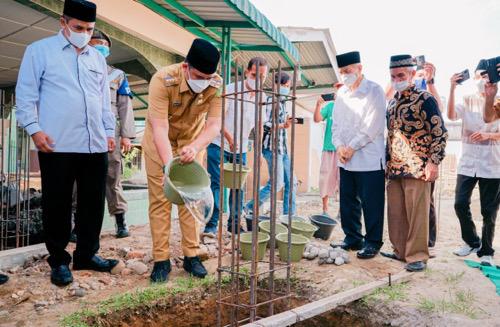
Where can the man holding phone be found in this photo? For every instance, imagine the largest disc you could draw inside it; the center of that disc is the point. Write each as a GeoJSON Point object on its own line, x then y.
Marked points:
{"type": "Point", "coordinates": [284, 122]}
{"type": "Point", "coordinates": [479, 164]}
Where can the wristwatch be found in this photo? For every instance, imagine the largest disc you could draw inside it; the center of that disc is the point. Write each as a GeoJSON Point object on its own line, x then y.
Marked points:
{"type": "Point", "coordinates": [431, 81]}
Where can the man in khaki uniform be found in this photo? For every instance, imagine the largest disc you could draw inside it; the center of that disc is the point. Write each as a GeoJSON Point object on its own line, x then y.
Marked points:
{"type": "Point", "coordinates": [184, 103]}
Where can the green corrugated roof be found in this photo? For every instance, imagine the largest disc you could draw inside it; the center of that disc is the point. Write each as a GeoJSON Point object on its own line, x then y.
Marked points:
{"type": "Point", "coordinates": [205, 19]}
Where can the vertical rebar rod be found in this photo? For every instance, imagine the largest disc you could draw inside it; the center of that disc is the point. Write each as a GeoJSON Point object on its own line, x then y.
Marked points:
{"type": "Point", "coordinates": [9, 168]}
{"type": "Point", "coordinates": [239, 192]}
{"type": "Point", "coordinates": [257, 149]}
{"type": "Point", "coordinates": [234, 245]}
{"type": "Point", "coordinates": [273, 174]}
{"type": "Point", "coordinates": [2, 177]}
{"type": "Point", "coordinates": [221, 202]}
{"type": "Point", "coordinates": [27, 180]}
{"type": "Point", "coordinates": [232, 210]}
{"type": "Point", "coordinates": [290, 197]}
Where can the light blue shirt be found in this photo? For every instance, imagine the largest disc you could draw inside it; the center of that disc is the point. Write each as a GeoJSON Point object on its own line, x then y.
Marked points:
{"type": "Point", "coordinates": [65, 95]}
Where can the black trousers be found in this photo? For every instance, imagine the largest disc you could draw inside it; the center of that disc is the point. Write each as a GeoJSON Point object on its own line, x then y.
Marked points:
{"type": "Point", "coordinates": [59, 172]}
{"type": "Point", "coordinates": [432, 219]}
{"type": "Point", "coordinates": [489, 193]}
{"type": "Point", "coordinates": [362, 191]}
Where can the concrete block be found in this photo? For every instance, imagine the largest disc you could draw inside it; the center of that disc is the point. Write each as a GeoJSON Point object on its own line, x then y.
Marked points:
{"type": "Point", "coordinates": [17, 257]}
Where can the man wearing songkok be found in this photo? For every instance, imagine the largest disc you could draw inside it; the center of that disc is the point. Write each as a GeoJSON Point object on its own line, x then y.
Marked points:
{"type": "Point", "coordinates": [415, 147]}
{"type": "Point", "coordinates": [358, 137]}
{"type": "Point", "coordinates": [63, 103]}
{"type": "Point", "coordinates": [185, 105]}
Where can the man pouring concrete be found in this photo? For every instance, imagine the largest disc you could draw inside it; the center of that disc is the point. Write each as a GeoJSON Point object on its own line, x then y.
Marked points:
{"type": "Point", "coordinates": [185, 105]}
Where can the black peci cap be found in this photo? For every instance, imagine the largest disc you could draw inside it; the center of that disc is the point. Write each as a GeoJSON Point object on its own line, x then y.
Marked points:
{"type": "Point", "coordinates": [404, 60]}
{"type": "Point", "coordinates": [100, 36]}
{"type": "Point", "coordinates": [203, 56]}
{"type": "Point", "coordinates": [482, 65]}
{"type": "Point", "coordinates": [348, 58]}
{"type": "Point", "coordinates": [80, 9]}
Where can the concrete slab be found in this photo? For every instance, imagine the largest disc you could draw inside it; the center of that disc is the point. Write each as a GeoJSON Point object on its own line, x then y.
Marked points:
{"type": "Point", "coordinates": [319, 307]}
{"type": "Point", "coordinates": [17, 257]}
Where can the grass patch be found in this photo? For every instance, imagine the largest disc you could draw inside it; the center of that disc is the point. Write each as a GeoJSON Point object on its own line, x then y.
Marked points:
{"type": "Point", "coordinates": [459, 301]}
{"type": "Point", "coordinates": [397, 292]}
{"type": "Point", "coordinates": [454, 278]}
{"type": "Point", "coordinates": [357, 283]}
{"type": "Point", "coordinates": [144, 297]}
{"type": "Point", "coordinates": [429, 272]}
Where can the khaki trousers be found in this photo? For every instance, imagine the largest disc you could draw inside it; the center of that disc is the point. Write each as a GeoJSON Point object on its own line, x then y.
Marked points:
{"type": "Point", "coordinates": [159, 217]}
{"type": "Point", "coordinates": [408, 202]}
{"type": "Point", "coordinates": [114, 190]}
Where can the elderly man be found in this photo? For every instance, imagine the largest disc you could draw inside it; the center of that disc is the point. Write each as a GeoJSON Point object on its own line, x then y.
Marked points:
{"type": "Point", "coordinates": [358, 136]}
{"type": "Point", "coordinates": [415, 148]}
{"type": "Point", "coordinates": [63, 103]}
{"type": "Point", "coordinates": [479, 164]}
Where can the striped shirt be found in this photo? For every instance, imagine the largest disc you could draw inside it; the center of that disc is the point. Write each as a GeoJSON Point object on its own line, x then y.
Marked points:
{"type": "Point", "coordinates": [282, 133]}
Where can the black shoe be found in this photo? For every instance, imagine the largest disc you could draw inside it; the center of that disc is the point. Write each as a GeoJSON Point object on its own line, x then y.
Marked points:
{"type": "Point", "coordinates": [194, 266]}
{"type": "Point", "coordinates": [390, 255]}
{"type": "Point", "coordinates": [95, 263]}
{"type": "Point", "coordinates": [367, 252]}
{"type": "Point", "coordinates": [3, 279]}
{"type": "Point", "coordinates": [346, 247]}
{"type": "Point", "coordinates": [61, 276]}
{"type": "Point", "coordinates": [72, 237]}
{"type": "Point", "coordinates": [121, 226]}
{"type": "Point", "coordinates": [416, 266]}
{"type": "Point", "coordinates": [160, 272]}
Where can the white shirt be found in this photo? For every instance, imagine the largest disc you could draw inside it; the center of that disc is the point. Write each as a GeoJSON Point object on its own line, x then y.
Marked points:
{"type": "Point", "coordinates": [479, 159]}
{"type": "Point", "coordinates": [359, 122]}
{"type": "Point", "coordinates": [248, 118]}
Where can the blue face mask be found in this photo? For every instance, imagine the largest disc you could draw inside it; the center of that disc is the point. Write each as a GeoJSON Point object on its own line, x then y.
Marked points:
{"type": "Point", "coordinates": [284, 90]}
{"type": "Point", "coordinates": [421, 84]}
{"type": "Point", "coordinates": [104, 50]}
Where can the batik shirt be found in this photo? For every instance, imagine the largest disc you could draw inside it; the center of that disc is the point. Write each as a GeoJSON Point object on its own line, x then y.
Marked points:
{"type": "Point", "coordinates": [416, 134]}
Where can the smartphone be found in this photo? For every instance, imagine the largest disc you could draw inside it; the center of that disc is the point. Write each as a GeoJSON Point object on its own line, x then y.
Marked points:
{"type": "Point", "coordinates": [493, 70]}
{"type": "Point", "coordinates": [465, 76]}
{"type": "Point", "coordinates": [328, 96]}
{"type": "Point", "coordinates": [299, 120]}
{"type": "Point", "coordinates": [420, 60]}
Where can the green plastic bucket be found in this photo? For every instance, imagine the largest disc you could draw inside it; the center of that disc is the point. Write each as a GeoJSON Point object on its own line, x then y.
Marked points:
{"type": "Point", "coordinates": [297, 247]}
{"type": "Point", "coordinates": [284, 219]}
{"type": "Point", "coordinates": [265, 227]}
{"type": "Point", "coordinates": [246, 245]}
{"type": "Point", "coordinates": [240, 179]}
{"type": "Point", "coordinates": [303, 228]}
{"type": "Point", "coordinates": [191, 176]}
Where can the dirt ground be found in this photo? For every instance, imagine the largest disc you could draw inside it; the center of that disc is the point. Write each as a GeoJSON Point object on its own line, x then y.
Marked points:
{"type": "Point", "coordinates": [449, 293]}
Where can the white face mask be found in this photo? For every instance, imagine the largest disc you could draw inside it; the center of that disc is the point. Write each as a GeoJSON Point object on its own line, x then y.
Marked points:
{"type": "Point", "coordinates": [349, 79]}
{"type": "Point", "coordinates": [197, 85]}
{"type": "Point", "coordinates": [400, 86]}
{"type": "Point", "coordinates": [251, 83]}
{"type": "Point", "coordinates": [480, 85]}
{"type": "Point", "coordinates": [79, 40]}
